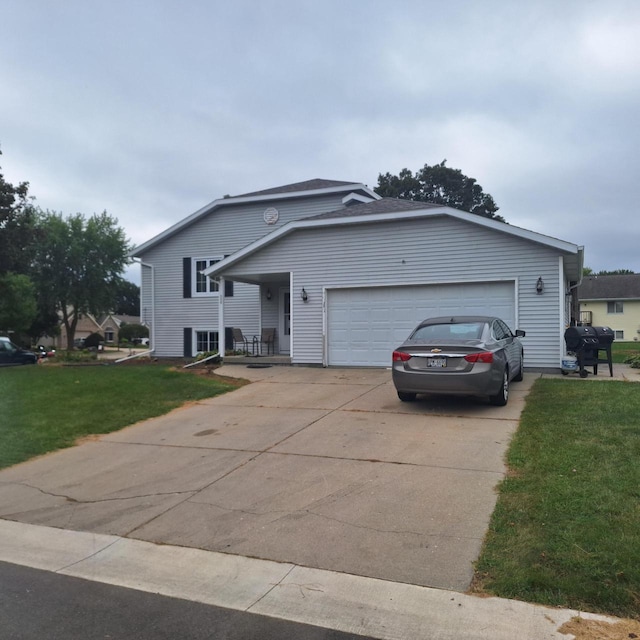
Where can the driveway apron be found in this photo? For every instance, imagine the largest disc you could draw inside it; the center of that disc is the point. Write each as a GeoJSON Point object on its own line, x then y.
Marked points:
{"type": "Point", "coordinates": [323, 468]}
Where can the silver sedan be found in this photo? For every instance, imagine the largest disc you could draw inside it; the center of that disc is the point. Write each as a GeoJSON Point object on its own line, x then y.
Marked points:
{"type": "Point", "coordinates": [460, 355]}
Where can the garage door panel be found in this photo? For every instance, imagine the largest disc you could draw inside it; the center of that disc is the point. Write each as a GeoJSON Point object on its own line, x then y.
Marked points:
{"type": "Point", "coordinates": [366, 324]}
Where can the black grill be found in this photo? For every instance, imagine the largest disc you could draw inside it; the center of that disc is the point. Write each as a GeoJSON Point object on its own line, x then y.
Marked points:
{"type": "Point", "coordinates": [587, 343]}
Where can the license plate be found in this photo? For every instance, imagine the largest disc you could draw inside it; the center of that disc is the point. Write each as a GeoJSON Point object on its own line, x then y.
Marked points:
{"type": "Point", "coordinates": [436, 362]}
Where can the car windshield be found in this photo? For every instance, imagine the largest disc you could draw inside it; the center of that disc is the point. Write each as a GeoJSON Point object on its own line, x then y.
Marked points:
{"type": "Point", "coordinates": [461, 331]}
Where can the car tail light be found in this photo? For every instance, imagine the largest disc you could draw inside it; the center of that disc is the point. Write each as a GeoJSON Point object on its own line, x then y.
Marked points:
{"type": "Point", "coordinates": [400, 356]}
{"type": "Point", "coordinates": [483, 356]}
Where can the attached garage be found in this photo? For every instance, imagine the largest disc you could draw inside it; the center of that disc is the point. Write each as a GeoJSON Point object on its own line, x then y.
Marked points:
{"type": "Point", "coordinates": [362, 277]}
{"type": "Point", "coordinates": [364, 324]}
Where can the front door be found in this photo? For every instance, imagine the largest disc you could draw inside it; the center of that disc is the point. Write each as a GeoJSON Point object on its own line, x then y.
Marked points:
{"type": "Point", "coordinates": [284, 329]}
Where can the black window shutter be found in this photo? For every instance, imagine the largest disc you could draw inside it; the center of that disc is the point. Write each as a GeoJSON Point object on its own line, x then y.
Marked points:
{"type": "Point", "coordinates": [187, 342]}
{"type": "Point", "coordinates": [186, 277]}
{"type": "Point", "coordinates": [228, 286]}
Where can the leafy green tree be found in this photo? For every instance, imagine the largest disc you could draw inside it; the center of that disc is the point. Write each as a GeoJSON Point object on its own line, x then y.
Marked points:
{"type": "Point", "coordinates": [127, 299]}
{"type": "Point", "coordinates": [80, 265]}
{"type": "Point", "coordinates": [616, 272]}
{"type": "Point", "coordinates": [18, 306]}
{"type": "Point", "coordinates": [131, 332]}
{"type": "Point", "coordinates": [439, 184]}
{"type": "Point", "coordinates": [19, 234]}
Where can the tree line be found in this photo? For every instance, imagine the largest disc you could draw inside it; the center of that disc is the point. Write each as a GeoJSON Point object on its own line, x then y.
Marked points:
{"type": "Point", "coordinates": [55, 268]}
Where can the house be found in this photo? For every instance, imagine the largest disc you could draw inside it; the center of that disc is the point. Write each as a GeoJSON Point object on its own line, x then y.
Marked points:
{"type": "Point", "coordinates": [87, 324]}
{"type": "Point", "coordinates": [110, 326]}
{"type": "Point", "coordinates": [344, 275]}
{"type": "Point", "coordinates": [612, 301]}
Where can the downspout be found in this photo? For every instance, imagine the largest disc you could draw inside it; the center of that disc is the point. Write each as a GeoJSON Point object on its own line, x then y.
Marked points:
{"type": "Point", "coordinates": [152, 345]}
{"type": "Point", "coordinates": [222, 347]}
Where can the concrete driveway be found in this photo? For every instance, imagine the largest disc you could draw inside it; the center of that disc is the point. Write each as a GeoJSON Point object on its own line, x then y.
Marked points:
{"type": "Point", "coordinates": [323, 468]}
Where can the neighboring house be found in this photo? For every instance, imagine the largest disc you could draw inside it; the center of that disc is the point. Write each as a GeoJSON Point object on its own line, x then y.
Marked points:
{"type": "Point", "coordinates": [87, 325]}
{"type": "Point", "coordinates": [344, 276]}
{"type": "Point", "coordinates": [110, 326]}
{"type": "Point", "coordinates": [612, 301]}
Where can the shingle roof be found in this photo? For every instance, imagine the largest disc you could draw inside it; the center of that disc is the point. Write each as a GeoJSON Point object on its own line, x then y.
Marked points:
{"type": "Point", "coordinates": [384, 205]}
{"type": "Point", "coordinates": [307, 185]}
{"type": "Point", "coordinates": [619, 287]}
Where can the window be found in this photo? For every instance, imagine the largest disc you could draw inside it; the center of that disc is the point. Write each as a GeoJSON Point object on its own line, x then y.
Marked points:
{"type": "Point", "coordinates": [203, 285]}
{"type": "Point", "coordinates": [616, 306]}
{"type": "Point", "coordinates": [108, 335]}
{"type": "Point", "coordinates": [618, 335]}
{"type": "Point", "coordinates": [206, 341]}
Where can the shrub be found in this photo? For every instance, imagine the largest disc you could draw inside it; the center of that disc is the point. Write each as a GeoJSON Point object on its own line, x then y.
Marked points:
{"type": "Point", "coordinates": [633, 361]}
{"type": "Point", "coordinates": [132, 332]}
{"type": "Point", "coordinates": [93, 340]}
{"type": "Point", "coordinates": [75, 356]}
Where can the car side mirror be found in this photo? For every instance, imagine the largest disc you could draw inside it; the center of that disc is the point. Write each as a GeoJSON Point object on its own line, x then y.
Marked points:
{"type": "Point", "coordinates": [520, 333]}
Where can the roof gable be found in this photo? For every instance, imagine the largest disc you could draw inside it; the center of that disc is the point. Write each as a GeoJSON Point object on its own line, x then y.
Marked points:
{"type": "Point", "coordinates": [307, 189]}
{"type": "Point", "coordinates": [390, 209]}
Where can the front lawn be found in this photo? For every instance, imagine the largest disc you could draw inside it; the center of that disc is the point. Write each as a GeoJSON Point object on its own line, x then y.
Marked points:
{"type": "Point", "coordinates": [620, 351]}
{"type": "Point", "coordinates": [45, 408]}
{"type": "Point", "coordinates": [566, 529]}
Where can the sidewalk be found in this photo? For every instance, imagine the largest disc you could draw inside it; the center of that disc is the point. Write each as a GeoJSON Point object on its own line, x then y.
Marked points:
{"type": "Point", "coordinates": [350, 603]}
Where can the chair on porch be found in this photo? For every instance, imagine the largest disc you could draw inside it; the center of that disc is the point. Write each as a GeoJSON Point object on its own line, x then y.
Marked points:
{"type": "Point", "coordinates": [239, 338]}
{"type": "Point", "coordinates": [268, 337]}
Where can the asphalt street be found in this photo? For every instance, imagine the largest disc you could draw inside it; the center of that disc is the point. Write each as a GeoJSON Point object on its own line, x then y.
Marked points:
{"type": "Point", "coordinates": [42, 605]}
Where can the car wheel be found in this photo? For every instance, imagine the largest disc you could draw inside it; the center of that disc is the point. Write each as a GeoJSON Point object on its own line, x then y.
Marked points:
{"type": "Point", "coordinates": [405, 396]}
{"type": "Point", "coordinates": [520, 375]}
{"type": "Point", "coordinates": [502, 397]}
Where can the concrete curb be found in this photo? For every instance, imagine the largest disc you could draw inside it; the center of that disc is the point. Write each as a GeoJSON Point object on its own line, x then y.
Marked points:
{"type": "Point", "coordinates": [328, 599]}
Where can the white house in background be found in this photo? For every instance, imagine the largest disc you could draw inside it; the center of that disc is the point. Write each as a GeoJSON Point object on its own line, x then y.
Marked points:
{"type": "Point", "coordinates": [344, 275]}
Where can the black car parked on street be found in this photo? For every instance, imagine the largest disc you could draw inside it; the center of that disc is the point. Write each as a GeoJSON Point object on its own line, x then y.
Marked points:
{"type": "Point", "coordinates": [12, 355]}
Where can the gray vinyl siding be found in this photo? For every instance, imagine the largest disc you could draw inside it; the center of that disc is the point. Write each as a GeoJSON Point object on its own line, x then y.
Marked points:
{"type": "Point", "coordinates": [221, 233]}
{"type": "Point", "coordinates": [432, 250]}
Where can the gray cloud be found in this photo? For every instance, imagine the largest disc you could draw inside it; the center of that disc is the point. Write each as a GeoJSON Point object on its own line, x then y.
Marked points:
{"type": "Point", "coordinates": [151, 109]}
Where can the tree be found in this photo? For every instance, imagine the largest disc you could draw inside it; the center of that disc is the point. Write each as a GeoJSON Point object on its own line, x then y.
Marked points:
{"type": "Point", "coordinates": [131, 332]}
{"type": "Point", "coordinates": [19, 234]}
{"type": "Point", "coordinates": [588, 271]}
{"type": "Point", "coordinates": [127, 299]}
{"type": "Point", "coordinates": [80, 265]}
{"type": "Point", "coordinates": [439, 184]}
{"type": "Point", "coordinates": [18, 306]}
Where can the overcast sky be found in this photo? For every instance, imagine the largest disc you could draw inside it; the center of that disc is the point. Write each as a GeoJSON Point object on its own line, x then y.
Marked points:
{"type": "Point", "coordinates": [150, 109]}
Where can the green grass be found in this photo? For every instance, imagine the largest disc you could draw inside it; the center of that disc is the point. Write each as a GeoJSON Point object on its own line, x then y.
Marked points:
{"type": "Point", "coordinates": [566, 529]}
{"type": "Point", "coordinates": [45, 408]}
{"type": "Point", "coordinates": [620, 351]}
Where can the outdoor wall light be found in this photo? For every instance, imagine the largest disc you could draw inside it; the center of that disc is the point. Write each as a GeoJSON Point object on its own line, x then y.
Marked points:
{"type": "Point", "coordinates": [268, 294]}
{"type": "Point", "coordinates": [540, 285]}
{"type": "Point", "coordinates": [304, 295]}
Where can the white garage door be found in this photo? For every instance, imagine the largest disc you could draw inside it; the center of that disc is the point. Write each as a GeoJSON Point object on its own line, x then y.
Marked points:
{"type": "Point", "coordinates": [364, 325]}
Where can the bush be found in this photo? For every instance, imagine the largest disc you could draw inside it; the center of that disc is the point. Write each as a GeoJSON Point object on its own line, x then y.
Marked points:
{"type": "Point", "coordinates": [93, 340]}
{"type": "Point", "coordinates": [75, 356]}
{"type": "Point", "coordinates": [132, 333]}
{"type": "Point", "coordinates": [633, 361]}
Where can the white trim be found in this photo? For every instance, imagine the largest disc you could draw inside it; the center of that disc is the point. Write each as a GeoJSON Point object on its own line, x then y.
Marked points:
{"type": "Point", "coordinates": [209, 282]}
{"type": "Point", "coordinates": [562, 304]}
{"type": "Point", "coordinates": [356, 197]}
{"type": "Point", "coordinates": [221, 202]}
{"type": "Point", "coordinates": [152, 343]}
{"type": "Point", "coordinates": [294, 225]}
{"type": "Point", "coordinates": [291, 317]}
{"type": "Point", "coordinates": [222, 337]}
{"type": "Point", "coordinates": [326, 290]}
{"type": "Point", "coordinates": [194, 339]}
